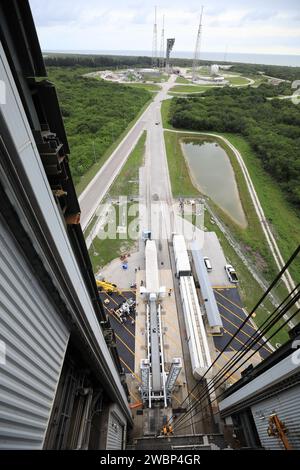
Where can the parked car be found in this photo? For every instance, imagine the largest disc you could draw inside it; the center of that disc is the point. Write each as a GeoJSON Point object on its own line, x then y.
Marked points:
{"type": "Point", "coordinates": [232, 276]}
{"type": "Point", "coordinates": [207, 263]}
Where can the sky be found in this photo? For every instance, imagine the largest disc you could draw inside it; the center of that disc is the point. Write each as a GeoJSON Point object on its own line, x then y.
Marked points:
{"type": "Point", "coordinates": [255, 26]}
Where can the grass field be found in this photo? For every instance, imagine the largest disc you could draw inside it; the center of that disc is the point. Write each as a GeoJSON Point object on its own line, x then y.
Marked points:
{"type": "Point", "coordinates": [104, 251]}
{"type": "Point", "coordinates": [180, 179]}
{"type": "Point", "coordinates": [281, 215]}
{"type": "Point", "coordinates": [238, 80]}
{"type": "Point", "coordinates": [182, 80]}
{"type": "Point", "coordinates": [251, 239]}
{"type": "Point", "coordinates": [126, 184]}
{"type": "Point", "coordinates": [145, 86]}
{"type": "Point", "coordinates": [97, 115]}
{"type": "Point", "coordinates": [249, 289]}
{"type": "Point", "coordinates": [189, 88]}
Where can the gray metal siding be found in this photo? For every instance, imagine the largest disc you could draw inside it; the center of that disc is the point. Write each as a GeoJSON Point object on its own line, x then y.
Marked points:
{"type": "Point", "coordinates": [287, 407]}
{"type": "Point", "coordinates": [36, 341]}
{"type": "Point", "coordinates": [114, 433]}
{"type": "Point", "coordinates": [212, 311]}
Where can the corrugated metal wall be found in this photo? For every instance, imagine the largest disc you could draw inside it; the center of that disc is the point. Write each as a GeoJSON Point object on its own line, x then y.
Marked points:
{"type": "Point", "coordinates": [36, 341]}
{"type": "Point", "coordinates": [287, 407]}
{"type": "Point", "coordinates": [114, 433]}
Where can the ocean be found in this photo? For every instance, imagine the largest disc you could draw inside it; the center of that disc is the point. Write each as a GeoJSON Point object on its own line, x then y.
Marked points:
{"type": "Point", "coordinates": [267, 59]}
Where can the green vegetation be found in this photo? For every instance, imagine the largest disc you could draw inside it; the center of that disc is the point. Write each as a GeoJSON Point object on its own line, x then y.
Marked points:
{"type": "Point", "coordinates": [104, 251]}
{"type": "Point", "coordinates": [165, 114]}
{"type": "Point", "coordinates": [249, 289]}
{"type": "Point", "coordinates": [144, 86]}
{"type": "Point", "coordinates": [182, 80]}
{"type": "Point", "coordinates": [189, 88]}
{"type": "Point", "coordinates": [251, 239]}
{"type": "Point", "coordinates": [271, 127]}
{"type": "Point", "coordinates": [238, 80]}
{"type": "Point", "coordinates": [116, 62]}
{"type": "Point", "coordinates": [283, 218]}
{"type": "Point", "coordinates": [126, 184]}
{"type": "Point", "coordinates": [278, 71]}
{"type": "Point", "coordinates": [179, 175]}
{"type": "Point", "coordinates": [96, 114]}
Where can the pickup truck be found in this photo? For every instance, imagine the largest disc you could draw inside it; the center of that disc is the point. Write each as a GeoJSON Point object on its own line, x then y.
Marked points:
{"type": "Point", "coordinates": [230, 271]}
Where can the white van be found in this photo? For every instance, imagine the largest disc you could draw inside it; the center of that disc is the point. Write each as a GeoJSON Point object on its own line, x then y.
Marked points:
{"type": "Point", "coordinates": [207, 263]}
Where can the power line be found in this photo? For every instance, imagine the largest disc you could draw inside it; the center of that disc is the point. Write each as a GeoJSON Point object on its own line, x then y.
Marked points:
{"type": "Point", "coordinates": [275, 281]}
{"type": "Point", "coordinates": [177, 424]}
{"type": "Point", "coordinates": [242, 352]}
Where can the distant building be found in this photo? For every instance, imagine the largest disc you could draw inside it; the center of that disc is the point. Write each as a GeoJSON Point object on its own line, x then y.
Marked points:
{"type": "Point", "coordinates": [214, 70]}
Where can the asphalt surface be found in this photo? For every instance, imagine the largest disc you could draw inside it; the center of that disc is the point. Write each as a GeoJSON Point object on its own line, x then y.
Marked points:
{"type": "Point", "coordinates": [98, 187]}
{"type": "Point", "coordinates": [90, 198]}
{"type": "Point", "coordinates": [124, 332]}
{"type": "Point", "coordinates": [233, 315]}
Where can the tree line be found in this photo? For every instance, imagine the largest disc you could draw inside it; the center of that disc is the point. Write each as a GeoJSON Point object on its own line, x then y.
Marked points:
{"type": "Point", "coordinates": [119, 61]}
{"type": "Point", "coordinates": [271, 126]}
{"type": "Point", "coordinates": [95, 114]}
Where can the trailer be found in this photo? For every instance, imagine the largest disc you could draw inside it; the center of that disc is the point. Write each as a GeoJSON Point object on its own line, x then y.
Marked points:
{"type": "Point", "coordinates": [196, 334]}
{"type": "Point", "coordinates": [183, 267]}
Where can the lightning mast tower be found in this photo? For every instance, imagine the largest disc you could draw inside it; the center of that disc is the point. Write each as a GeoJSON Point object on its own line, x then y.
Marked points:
{"type": "Point", "coordinates": [197, 48]}
{"type": "Point", "coordinates": [154, 43]}
{"type": "Point", "coordinates": [162, 45]}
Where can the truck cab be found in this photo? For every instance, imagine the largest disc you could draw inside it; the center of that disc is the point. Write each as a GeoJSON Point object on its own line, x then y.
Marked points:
{"type": "Point", "coordinates": [232, 276]}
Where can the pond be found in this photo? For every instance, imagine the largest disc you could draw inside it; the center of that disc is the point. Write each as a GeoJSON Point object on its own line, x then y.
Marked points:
{"type": "Point", "coordinates": [212, 173]}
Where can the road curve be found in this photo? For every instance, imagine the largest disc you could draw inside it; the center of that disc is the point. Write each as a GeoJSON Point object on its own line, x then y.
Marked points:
{"type": "Point", "coordinates": [287, 278]}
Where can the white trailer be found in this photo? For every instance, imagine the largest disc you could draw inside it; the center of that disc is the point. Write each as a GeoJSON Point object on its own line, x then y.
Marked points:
{"type": "Point", "coordinates": [183, 267]}
{"type": "Point", "coordinates": [196, 334]}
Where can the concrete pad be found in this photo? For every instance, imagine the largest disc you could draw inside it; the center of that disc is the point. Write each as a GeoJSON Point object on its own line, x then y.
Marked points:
{"type": "Point", "coordinates": [113, 271]}
{"type": "Point", "coordinates": [213, 250]}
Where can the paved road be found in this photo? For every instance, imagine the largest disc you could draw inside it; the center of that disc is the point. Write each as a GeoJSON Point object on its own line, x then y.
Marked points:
{"type": "Point", "coordinates": [286, 277]}
{"type": "Point", "coordinates": [91, 197]}
{"type": "Point", "coordinates": [93, 194]}
{"type": "Point", "coordinates": [233, 315]}
{"type": "Point", "coordinates": [124, 332]}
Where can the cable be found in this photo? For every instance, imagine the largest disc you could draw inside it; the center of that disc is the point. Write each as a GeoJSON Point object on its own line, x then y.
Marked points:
{"type": "Point", "coordinates": [222, 393]}
{"type": "Point", "coordinates": [242, 352]}
{"type": "Point", "coordinates": [229, 366]}
{"type": "Point", "coordinates": [213, 384]}
{"type": "Point", "coordinates": [252, 340]}
{"type": "Point", "coordinates": [274, 282]}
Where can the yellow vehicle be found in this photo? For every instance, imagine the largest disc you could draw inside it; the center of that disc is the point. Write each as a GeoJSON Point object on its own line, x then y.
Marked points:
{"type": "Point", "coordinates": [107, 287]}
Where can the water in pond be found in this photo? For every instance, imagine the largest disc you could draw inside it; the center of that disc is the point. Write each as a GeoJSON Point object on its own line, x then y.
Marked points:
{"type": "Point", "coordinates": [212, 173]}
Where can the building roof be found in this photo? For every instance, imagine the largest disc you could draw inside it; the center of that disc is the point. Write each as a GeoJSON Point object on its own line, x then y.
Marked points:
{"type": "Point", "coordinates": [212, 311]}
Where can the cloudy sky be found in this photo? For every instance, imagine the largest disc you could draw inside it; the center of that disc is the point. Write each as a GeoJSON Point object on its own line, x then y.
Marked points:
{"type": "Point", "coordinates": [256, 26]}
